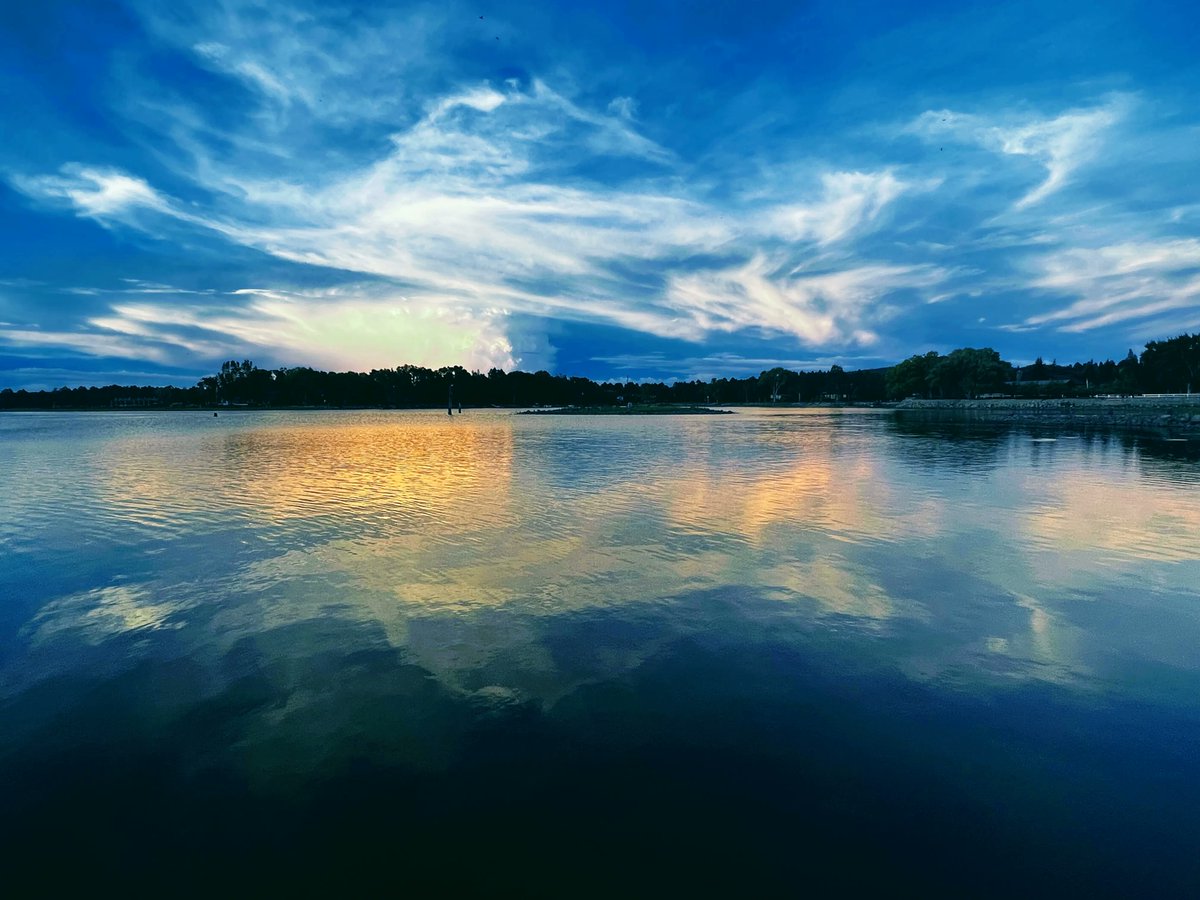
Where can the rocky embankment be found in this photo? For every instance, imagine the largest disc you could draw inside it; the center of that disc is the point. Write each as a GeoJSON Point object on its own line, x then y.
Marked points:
{"type": "Point", "coordinates": [1177, 415]}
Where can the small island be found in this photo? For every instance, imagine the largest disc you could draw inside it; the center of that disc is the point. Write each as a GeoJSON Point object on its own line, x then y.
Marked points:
{"type": "Point", "coordinates": [648, 409]}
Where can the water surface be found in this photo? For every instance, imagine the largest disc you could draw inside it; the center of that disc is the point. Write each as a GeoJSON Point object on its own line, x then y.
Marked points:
{"type": "Point", "coordinates": [796, 649]}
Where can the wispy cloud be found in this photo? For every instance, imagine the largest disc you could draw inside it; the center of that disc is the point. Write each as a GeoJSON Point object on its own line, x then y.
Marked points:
{"type": "Point", "coordinates": [463, 213]}
{"type": "Point", "coordinates": [1061, 143]}
{"type": "Point", "coordinates": [254, 73]}
{"type": "Point", "coordinates": [94, 192]}
{"type": "Point", "coordinates": [848, 200]}
{"type": "Point", "coordinates": [85, 342]}
{"type": "Point", "coordinates": [824, 308]}
{"type": "Point", "coordinates": [1120, 282]}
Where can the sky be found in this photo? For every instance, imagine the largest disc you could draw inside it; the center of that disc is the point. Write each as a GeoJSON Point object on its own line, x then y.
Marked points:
{"type": "Point", "coordinates": [622, 190]}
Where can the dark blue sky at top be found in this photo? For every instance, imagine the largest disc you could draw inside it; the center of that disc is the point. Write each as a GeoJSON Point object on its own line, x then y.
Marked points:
{"type": "Point", "coordinates": [617, 190]}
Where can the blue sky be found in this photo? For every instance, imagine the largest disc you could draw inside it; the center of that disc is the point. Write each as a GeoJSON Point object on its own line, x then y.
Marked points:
{"type": "Point", "coordinates": [618, 190]}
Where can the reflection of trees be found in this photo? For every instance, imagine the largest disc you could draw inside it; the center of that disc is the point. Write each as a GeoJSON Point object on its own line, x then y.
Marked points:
{"type": "Point", "coordinates": [951, 440]}
{"type": "Point", "coordinates": [947, 442]}
{"type": "Point", "coordinates": [1177, 461]}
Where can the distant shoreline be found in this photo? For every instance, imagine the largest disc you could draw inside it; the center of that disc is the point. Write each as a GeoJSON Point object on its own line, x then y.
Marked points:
{"type": "Point", "coordinates": [1177, 415]}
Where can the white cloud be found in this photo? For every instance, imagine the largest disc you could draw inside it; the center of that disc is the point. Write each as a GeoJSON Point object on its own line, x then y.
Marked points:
{"type": "Point", "coordinates": [611, 134]}
{"type": "Point", "coordinates": [624, 107]}
{"type": "Point", "coordinates": [357, 327]}
{"type": "Point", "coordinates": [502, 197]}
{"type": "Point", "coordinates": [253, 73]}
{"type": "Point", "coordinates": [95, 192]}
{"type": "Point", "coordinates": [314, 63]}
{"type": "Point", "coordinates": [1119, 282]}
{"type": "Point", "coordinates": [88, 343]}
{"type": "Point", "coordinates": [482, 99]}
{"type": "Point", "coordinates": [363, 332]}
{"type": "Point", "coordinates": [456, 213]}
{"type": "Point", "coordinates": [849, 200]}
{"type": "Point", "coordinates": [1062, 144]}
{"type": "Point", "coordinates": [836, 307]}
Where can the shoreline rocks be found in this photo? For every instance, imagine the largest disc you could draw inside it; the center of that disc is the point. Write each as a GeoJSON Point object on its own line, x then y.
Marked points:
{"type": "Point", "coordinates": [1172, 414]}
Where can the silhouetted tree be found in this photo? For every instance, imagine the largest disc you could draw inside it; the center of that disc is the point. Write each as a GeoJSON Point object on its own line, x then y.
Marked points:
{"type": "Point", "coordinates": [912, 377]}
{"type": "Point", "coordinates": [1171, 366]}
{"type": "Point", "coordinates": [968, 372]}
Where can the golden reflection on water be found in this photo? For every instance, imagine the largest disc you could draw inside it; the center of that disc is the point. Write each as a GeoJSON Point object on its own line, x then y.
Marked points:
{"type": "Point", "coordinates": [852, 498]}
{"type": "Point", "coordinates": [650, 539]}
{"type": "Point", "coordinates": [1123, 516]}
{"type": "Point", "coordinates": [458, 474]}
{"type": "Point", "coordinates": [416, 471]}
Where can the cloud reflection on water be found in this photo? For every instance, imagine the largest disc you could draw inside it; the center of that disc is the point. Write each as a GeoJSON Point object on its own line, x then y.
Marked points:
{"type": "Point", "coordinates": [955, 553]}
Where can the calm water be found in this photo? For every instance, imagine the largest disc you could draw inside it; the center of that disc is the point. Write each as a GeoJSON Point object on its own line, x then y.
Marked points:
{"type": "Point", "coordinates": [804, 650]}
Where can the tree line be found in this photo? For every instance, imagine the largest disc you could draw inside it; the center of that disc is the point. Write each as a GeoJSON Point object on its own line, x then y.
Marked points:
{"type": "Point", "coordinates": [1169, 366]}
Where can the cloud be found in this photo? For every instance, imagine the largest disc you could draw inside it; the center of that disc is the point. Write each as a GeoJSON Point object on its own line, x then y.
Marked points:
{"type": "Point", "coordinates": [354, 328]}
{"type": "Point", "coordinates": [221, 58]}
{"type": "Point", "coordinates": [613, 133]}
{"type": "Point", "coordinates": [625, 107]}
{"type": "Point", "coordinates": [299, 61]}
{"type": "Point", "coordinates": [86, 342]}
{"type": "Point", "coordinates": [481, 99]}
{"type": "Point", "coordinates": [823, 308]}
{"type": "Point", "coordinates": [465, 212]}
{"type": "Point", "coordinates": [94, 192]}
{"type": "Point", "coordinates": [1061, 144]}
{"type": "Point", "coordinates": [1119, 282]}
{"type": "Point", "coordinates": [849, 200]}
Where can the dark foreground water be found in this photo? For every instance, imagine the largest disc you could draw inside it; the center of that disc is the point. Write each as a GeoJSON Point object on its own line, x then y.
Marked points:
{"type": "Point", "coordinates": [799, 652]}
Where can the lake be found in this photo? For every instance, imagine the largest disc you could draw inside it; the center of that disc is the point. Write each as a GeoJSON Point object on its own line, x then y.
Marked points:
{"type": "Point", "coordinates": [788, 651]}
